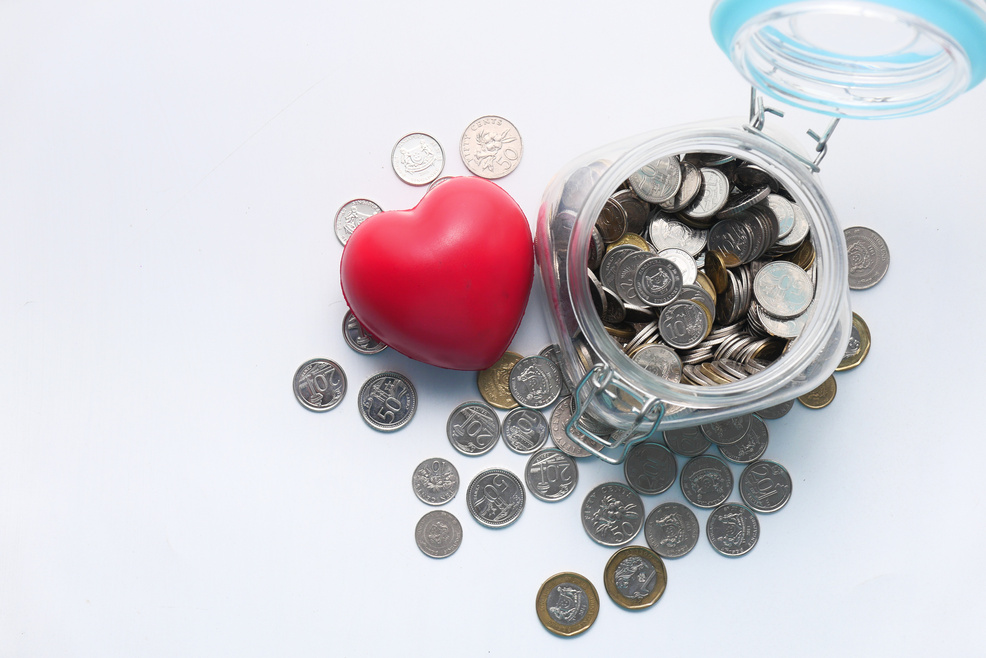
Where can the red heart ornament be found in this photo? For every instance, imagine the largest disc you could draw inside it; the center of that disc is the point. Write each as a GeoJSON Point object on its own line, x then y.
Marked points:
{"type": "Point", "coordinates": [446, 282]}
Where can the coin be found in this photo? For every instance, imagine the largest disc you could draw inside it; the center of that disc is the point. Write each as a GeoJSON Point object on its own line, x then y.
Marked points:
{"type": "Point", "coordinates": [357, 338]}
{"type": "Point", "coordinates": [820, 397]}
{"type": "Point", "coordinates": [491, 147]}
{"type": "Point", "coordinates": [567, 604]}
{"type": "Point", "coordinates": [671, 530]}
{"type": "Point", "coordinates": [560, 417]}
{"type": "Point", "coordinates": [732, 529]}
{"type": "Point", "coordinates": [659, 360]}
{"type": "Point", "coordinates": [387, 401]}
{"type": "Point", "coordinates": [551, 475]}
{"type": "Point", "coordinates": [666, 232]}
{"type": "Point", "coordinates": [650, 468]}
{"type": "Point", "coordinates": [494, 382]}
{"type": "Point", "coordinates": [657, 281]}
{"type": "Point", "coordinates": [765, 486]}
{"type": "Point", "coordinates": [858, 347]}
{"type": "Point", "coordinates": [438, 534]}
{"type": "Point", "coordinates": [473, 428]}
{"type": "Point", "coordinates": [319, 384]}
{"type": "Point", "coordinates": [706, 481]}
{"type": "Point", "coordinates": [635, 577]}
{"type": "Point", "coordinates": [776, 411]}
{"type": "Point", "coordinates": [869, 257]}
{"type": "Point", "coordinates": [687, 441]}
{"type": "Point", "coordinates": [691, 185]}
{"type": "Point", "coordinates": [435, 481]}
{"type": "Point", "coordinates": [352, 214]}
{"type": "Point", "coordinates": [525, 430]}
{"type": "Point", "coordinates": [683, 324]}
{"type": "Point", "coordinates": [495, 498]}
{"type": "Point", "coordinates": [612, 514]}
{"type": "Point", "coordinates": [657, 181]}
{"type": "Point", "coordinates": [728, 430]}
{"type": "Point", "coordinates": [535, 382]}
{"type": "Point", "coordinates": [711, 198]}
{"type": "Point", "coordinates": [418, 159]}
{"type": "Point", "coordinates": [783, 289]}
{"type": "Point", "coordinates": [751, 447]}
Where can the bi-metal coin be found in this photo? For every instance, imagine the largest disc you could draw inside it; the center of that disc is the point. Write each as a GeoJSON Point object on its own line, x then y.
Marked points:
{"type": "Point", "coordinates": [635, 577]}
{"type": "Point", "coordinates": [567, 604]}
{"type": "Point", "coordinates": [858, 347]}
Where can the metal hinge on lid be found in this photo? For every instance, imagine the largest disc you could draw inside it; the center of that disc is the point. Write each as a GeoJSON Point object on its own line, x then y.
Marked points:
{"type": "Point", "coordinates": [758, 115]}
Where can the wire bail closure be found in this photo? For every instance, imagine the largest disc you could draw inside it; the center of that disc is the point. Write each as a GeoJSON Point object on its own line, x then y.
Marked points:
{"type": "Point", "coordinates": [758, 116]}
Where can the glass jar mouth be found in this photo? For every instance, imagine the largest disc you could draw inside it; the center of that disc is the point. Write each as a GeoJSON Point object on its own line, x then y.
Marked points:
{"type": "Point", "coordinates": [831, 263]}
{"type": "Point", "coordinates": [876, 59]}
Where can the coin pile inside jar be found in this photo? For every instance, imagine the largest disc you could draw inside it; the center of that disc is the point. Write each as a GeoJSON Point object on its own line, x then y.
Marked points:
{"type": "Point", "coordinates": [701, 268]}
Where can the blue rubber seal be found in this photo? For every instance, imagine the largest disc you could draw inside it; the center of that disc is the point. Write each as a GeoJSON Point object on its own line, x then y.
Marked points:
{"type": "Point", "coordinates": [954, 17]}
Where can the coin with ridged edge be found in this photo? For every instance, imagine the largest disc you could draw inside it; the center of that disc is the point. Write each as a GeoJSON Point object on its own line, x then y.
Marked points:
{"type": "Point", "coordinates": [352, 214]}
{"type": "Point", "coordinates": [473, 428]}
{"type": "Point", "coordinates": [671, 530]}
{"type": "Point", "coordinates": [319, 384]}
{"type": "Point", "coordinates": [612, 514]}
{"type": "Point", "coordinates": [491, 147]}
{"type": "Point", "coordinates": [435, 481]}
{"type": "Point", "coordinates": [495, 498]}
{"type": "Point", "coordinates": [551, 475]}
{"type": "Point", "coordinates": [357, 338]}
{"type": "Point", "coordinates": [535, 382]}
{"type": "Point", "coordinates": [567, 604]}
{"type": "Point", "coordinates": [635, 577]}
{"type": "Point", "coordinates": [820, 397]}
{"type": "Point", "coordinates": [438, 534]}
{"type": "Point", "coordinates": [525, 430]}
{"type": "Point", "coordinates": [869, 257]}
{"type": "Point", "coordinates": [387, 401]}
{"type": "Point", "coordinates": [494, 382]}
{"type": "Point", "coordinates": [765, 486]}
{"type": "Point", "coordinates": [418, 159]}
{"type": "Point", "coordinates": [732, 529]}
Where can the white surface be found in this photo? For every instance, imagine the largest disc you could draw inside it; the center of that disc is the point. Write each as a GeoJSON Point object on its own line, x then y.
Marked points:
{"type": "Point", "coordinates": [168, 177]}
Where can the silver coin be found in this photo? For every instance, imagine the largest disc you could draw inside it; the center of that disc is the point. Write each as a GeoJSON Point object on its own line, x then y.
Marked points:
{"type": "Point", "coordinates": [319, 384]}
{"type": "Point", "coordinates": [387, 401]}
{"type": "Point", "coordinates": [683, 324]}
{"type": "Point", "coordinates": [869, 257]}
{"type": "Point", "coordinates": [435, 481]}
{"type": "Point", "coordinates": [706, 481]}
{"type": "Point", "coordinates": [438, 534]}
{"type": "Point", "coordinates": [357, 338]}
{"type": "Point", "coordinates": [418, 159]}
{"type": "Point", "coordinates": [439, 181]}
{"type": "Point", "coordinates": [351, 215]}
{"type": "Point", "coordinates": [609, 266]}
{"type": "Point", "coordinates": [659, 360]}
{"type": "Point", "coordinates": [668, 233]}
{"type": "Point", "coordinates": [491, 147]}
{"type": "Point", "coordinates": [687, 441]}
{"type": "Point", "coordinates": [739, 203]}
{"type": "Point", "coordinates": [751, 447]}
{"type": "Point", "coordinates": [671, 530]}
{"type": "Point", "coordinates": [783, 289]}
{"type": "Point", "coordinates": [535, 382]}
{"type": "Point", "coordinates": [525, 430]}
{"type": "Point", "coordinates": [784, 212]}
{"type": "Point", "coordinates": [732, 529]}
{"type": "Point", "coordinates": [473, 428]}
{"type": "Point", "coordinates": [650, 468]}
{"type": "Point", "coordinates": [776, 411]}
{"type": "Point", "coordinates": [712, 197]}
{"type": "Point", "coordinates": [786, 329]}
{"type": "Point", "coordinates": [612, 514]}
{"type": "Point", "coordinates": [684, 261]}
{"type": "Point", "coordinates": [798, 232]}
{"type": "Point", "coordinates": [560, 417]}
{"type": "Point", "coordinates": [624, 277]}
{"type": "Point", "coordinates": [733, 240]}
{"type": "Point", "coordinates": [657, 181]}
{"type": "Point", "coordinates": [691, 185]}
{"type": "Point", "coordinates": [495, 498]}
{"type": "Point", "coordinates": [551, 475]}
{"type": "Point", "coordinates": [553, 352]}
{"type": "Point", "coordinates": [765, 486]}
{"type": "Point", "coordinates": [727, 431]}
{"type": "Point", "coordinates": [657, 281]}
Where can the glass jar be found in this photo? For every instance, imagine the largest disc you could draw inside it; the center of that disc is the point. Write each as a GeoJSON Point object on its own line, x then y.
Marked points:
{"type": "Point", "coordinates": [912, 63]}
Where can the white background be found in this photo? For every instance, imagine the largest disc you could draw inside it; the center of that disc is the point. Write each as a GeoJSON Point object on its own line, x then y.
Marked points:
{"type": "Point", "coordinates": [169, 173]}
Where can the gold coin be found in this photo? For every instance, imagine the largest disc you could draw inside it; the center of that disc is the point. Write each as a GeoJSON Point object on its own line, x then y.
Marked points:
{"type": "Point", "coordinates": [703, 280]}
{"type": "Point", "coordinates": [631, 239]}
{"type": "Point", "coordinates": [494, 382]}
{"type": "Point", "coordinates": [859, 345]}
{"type": "Point", "coordinates": [715, 269]}
{"type": "Point", "coordinates": [567, 604]}
{"type": "Point", "coordinates": [804, 256]}
{"type": "Point", "coordinates": [635, 577]}
{"type": "Point", "coordinates": [821, 396]}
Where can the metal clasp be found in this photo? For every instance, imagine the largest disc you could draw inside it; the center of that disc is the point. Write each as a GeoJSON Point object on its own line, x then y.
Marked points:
{"type": "Point", "coordinates": [611, 392]}
{"type": "Point", "coordinates": [758, 116]}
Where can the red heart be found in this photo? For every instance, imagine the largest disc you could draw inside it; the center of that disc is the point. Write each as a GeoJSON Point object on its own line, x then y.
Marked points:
{"type": "Point", "coordinates": [447, 282]}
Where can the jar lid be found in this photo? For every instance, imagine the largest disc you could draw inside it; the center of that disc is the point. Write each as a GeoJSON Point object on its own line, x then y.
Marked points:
{"type": "Point", "coordinates": [848, 58]}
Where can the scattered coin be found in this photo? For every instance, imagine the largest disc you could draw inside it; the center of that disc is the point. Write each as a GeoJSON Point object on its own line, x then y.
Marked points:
{"type": "Point", "coordinates": [473, 428]}
{"type": "Point", "coordinates": [551, 475]}
{"type": "Point", "coordinates": [525, 430]}
{"type": "Point", "coordinates": [687, 441]}
{"type": "Point", "coordinates": [319, 384]}
{"type": "Point", "coordinates": [765, 486]}
{"type": "Point", "coordinates": [820, 397]}
{"type": "Point", "coordinates": [635, 577]}
{"type": "Point", "coordinates": [357, 338]}
{"type": "Point", "coordinates": [351, 215]}
{"type": "Point", "coordinates": [567, 604]}
{"type": "Point", "coordinates": [612, 514]}
{"type": "Point", "coordinates": [535, 382]}
{"type": "Point", "coordinates": [494, 382]}
{"type": "Point", "coordinates": [418, 159]}
{"type": "Point", "coordinates": [435, 481]}
{"type": "Point", "coordinates": [732, 529]}
{"type": "Point", "coordinates": [438, 534]}
{"type": "Point", "coordinates": [858, 347]}
{"type": "Point", "coordinates": [491, 147]}
{"type": "Point", "coordinates": [706, 481]}
{"type": "Point", "coordinates": [751, 447]}
{"type": "Point", "coordinates": [439, 181]}
{"type": "Point", "coordinates": [650, 468]}
{"type": "Point", "coordinates": [869, 257]}
{"type": "Point", "coordinates": [387, 401]}
{"type": "Point", "coordinates": [730, 430]}
{"type": "Point", "coordinates": [776, 411]}
{"type": "Point", "coordinates": [495, 498]}
{"type": "Point", "coordinates": [671, 530]}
